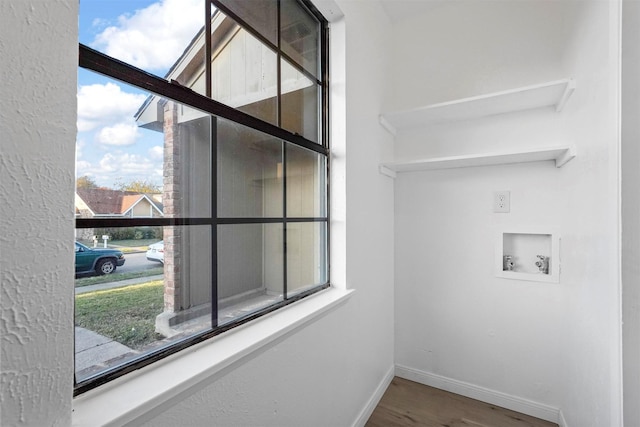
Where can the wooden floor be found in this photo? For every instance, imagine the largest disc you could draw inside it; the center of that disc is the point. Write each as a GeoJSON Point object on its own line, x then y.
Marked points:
{"type": "Point", "coordinates": [406, 403]}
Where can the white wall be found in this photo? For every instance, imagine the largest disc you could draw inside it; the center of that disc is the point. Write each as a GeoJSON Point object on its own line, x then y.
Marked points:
{"type": "Point", "coordinates": [324, 374]}
{"type": "Point", "coordinates": [631, 209]}
{"type": "Point", "coordinates": [547, 345]}
{"type": "Point", "coordinates": [37, 162]}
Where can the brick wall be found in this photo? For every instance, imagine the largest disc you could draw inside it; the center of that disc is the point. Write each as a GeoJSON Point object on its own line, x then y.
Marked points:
{"type": "Point", "coordinates": [172, 209]}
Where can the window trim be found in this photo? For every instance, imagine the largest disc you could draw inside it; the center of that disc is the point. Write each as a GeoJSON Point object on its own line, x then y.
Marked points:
{"type": "Point", "coordinates": [100, 63]}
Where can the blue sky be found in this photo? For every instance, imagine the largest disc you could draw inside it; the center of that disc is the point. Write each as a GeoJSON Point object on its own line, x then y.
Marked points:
{"type": "Point", "coordinates": [150, 35]}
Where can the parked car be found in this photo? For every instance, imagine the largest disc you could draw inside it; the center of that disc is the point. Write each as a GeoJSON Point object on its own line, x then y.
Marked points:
{"type": "Point", "coordinates": [156, 252]}
{"type": "Point", "coordinates": [97, 260]}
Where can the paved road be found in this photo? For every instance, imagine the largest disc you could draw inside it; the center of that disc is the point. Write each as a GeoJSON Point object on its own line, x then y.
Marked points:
{"type": "Point", "coordinates": [137, 262]}
{"type": "Point", "coordinates": [134, 262]}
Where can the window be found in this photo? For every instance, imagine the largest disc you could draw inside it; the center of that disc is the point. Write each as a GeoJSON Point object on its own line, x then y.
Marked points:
{"type": "Point", "coordinates": [201, 196]}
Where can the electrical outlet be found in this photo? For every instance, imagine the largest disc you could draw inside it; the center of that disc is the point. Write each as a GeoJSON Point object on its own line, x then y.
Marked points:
{"type": "Point", "coordinates": [501, 201]}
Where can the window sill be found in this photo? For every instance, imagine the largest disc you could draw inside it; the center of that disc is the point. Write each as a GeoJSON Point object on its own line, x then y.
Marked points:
{"type": "Point", "coordinates": [141, 395]}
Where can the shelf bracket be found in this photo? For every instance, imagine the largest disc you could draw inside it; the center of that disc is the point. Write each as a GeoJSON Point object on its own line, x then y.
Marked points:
{"type": "Point", "coordinates": [568, 91]}
{"type": "Point", "coordinates": [384, 170]}
{"type": "Point", "coordinates": [565, 157]}
{"type": "Point", "coordinates": [388, 126]}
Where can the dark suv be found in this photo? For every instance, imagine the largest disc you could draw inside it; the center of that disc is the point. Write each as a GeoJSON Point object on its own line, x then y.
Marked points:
{"type": "Point", "coordinates": [100, 261]}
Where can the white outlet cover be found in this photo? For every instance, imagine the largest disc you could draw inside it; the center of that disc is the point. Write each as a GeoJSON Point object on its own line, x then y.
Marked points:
{"type": "Point", "coordinates": [502, 201]}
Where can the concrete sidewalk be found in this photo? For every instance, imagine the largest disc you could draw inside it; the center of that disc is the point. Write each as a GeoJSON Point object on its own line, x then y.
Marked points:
{"type": "Point", "coordinates": [118, 284]}
{"type": "Point", "coordinates": [94, 350]}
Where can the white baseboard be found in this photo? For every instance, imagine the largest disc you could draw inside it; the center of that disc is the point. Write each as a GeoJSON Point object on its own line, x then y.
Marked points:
{"type": "Point", "coordinates": [524, 406]}
{"type": "Point", "coordinates": [375, 398]}
{"type": "Point", "coordinates": [561, 421]}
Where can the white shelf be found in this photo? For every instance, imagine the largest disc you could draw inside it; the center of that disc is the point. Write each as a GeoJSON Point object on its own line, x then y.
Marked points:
{"type": "Point", "coordinates": [550, 94]}
{"type": "Point", "coordinates": [561, 155]}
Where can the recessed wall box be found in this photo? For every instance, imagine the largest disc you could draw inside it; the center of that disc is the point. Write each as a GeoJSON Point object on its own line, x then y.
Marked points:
{"type": "Point", "coordinates": [532, 256]}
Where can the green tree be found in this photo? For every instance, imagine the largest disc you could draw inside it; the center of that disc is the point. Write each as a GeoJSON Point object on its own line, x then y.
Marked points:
{"type": "Point", "coordinates": [138, 185]}
{"type": "Point", "coordinates": [86, 181]}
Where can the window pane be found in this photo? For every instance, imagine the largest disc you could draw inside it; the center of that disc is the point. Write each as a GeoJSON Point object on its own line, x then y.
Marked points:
{"type": "Point", "coordinates": [249, 172]}
{"type": "Point", "coordinates": [153, 36]}
{"type": "Point", "coordinates": [262, 15]}
{"type": "Point", "coordinates": [187, 165]}
{"type": "Point", "coordinates": [244, 72]}
{"type": "Point", "coordinates": [144, 159]}
{"type": "Point", "coordinates": [300, 36]}
{"type": "Point", "coordinates": [139, 155]}
{"type": "Point", "coordinates": [143, 289]}
{"type": "Point", "coordinates": [300, 98]}
{"type": "Point", "coordinates": [306, 183]}
{"type": "Point", "coordinates": [250, 265]}
{"type": "Point", "coordinates": [306, 256]}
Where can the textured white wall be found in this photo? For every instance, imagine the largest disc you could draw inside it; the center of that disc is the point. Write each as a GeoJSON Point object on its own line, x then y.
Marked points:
{"type": "Point", "coordinates": [38, 42]}
{"type": "Point", "coordinates": [554, 344]}
{"type": "Point", "coordinates": [631, 208]}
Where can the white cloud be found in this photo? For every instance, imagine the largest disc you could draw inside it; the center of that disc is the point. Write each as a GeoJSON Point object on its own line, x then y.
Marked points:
{"type": "Point", "coordinates": [121, 167]}
{"type": "Point", "coordinates": [159, 174]}
{"type": "Point", "coordinates": [99, 23]}
{"type": "Point", "coordinates": [108, 164]}
{"type": "Point", "coordinates": [153, 38]}
{"type": "Point", "coordinates": [133, 165]}
{"type": "Point", "coordinates": [100, 105]}
{"type": "Point", "coordinates": [119, 134]}
{"type": "Point", "coordinates": [124, 167]}
{"type": "Point", "coordinates": [156, 153]}
{"type": "Point", "coordinates": [137, 166]}
{"type": "Point", "coordinates": [79, 146]}
{"type": "Point", "coordinates": [83, 168]}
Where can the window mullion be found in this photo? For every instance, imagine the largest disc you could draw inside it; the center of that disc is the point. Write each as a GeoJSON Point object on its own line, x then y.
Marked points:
{"type": "Point", "coordinates": [324, 69]}
{"type": "Point", "coordinates": [207, 47]}
{"type": "Point", "coordinates": [284, 152]}
{"type": "Point", "coordinates": [214, 227]}
{"type": "Point", "coordinates": [284, 222]}
{"type": "Point", "coordinates": [279, 69]}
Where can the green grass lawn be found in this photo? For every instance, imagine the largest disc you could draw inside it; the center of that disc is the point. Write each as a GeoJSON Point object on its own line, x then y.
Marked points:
{"type": "Point", "coordinates": [116, 277]}
{"type": "Point", "coordinates": [126, 315]}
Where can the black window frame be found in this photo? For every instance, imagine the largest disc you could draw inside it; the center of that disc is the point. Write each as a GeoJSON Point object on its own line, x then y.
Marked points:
{"type": "Point", "coordinates": [101, 63]}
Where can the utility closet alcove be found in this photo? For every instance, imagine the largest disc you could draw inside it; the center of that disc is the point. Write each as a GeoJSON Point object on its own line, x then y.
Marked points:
{"type": "Point", "coordinates": [528, 256]}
